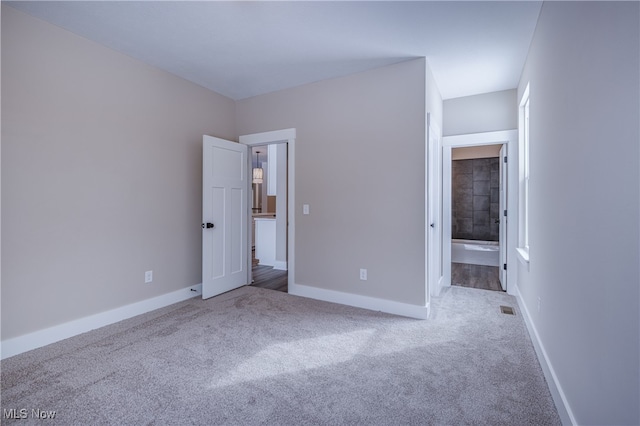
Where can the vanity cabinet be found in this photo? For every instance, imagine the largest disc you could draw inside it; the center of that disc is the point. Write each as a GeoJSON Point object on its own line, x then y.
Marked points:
{"type": "Point", "coordinates": [265, 240]}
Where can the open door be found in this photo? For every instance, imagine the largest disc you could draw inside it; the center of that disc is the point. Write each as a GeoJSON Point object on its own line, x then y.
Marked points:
{"type": "Point", "coordinates": [224, 216]}
{"type": "Point", "coordinates": [503, 217]}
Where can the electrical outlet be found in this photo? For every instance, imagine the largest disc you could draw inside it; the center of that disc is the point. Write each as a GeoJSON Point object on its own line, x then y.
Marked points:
{"type": "Point", "coordinates": [148, 276]}
{"type": "Point", "coordinates": [363, 274]}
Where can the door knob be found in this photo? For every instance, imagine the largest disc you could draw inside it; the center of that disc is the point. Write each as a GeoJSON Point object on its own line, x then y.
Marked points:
{"type": "Point", "coordinates": [207, 225]}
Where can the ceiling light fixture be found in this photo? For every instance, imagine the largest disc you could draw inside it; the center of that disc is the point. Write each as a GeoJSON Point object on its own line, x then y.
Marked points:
{"type": "Point", "coordinates": [257, 171]}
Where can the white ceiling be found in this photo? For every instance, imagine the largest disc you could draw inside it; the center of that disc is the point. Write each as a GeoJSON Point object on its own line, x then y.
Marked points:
{"type": "Point", "coordinates": [242, 49]}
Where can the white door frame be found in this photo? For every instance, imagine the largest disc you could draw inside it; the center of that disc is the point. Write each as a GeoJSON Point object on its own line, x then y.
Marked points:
{"type": "Point", "coordinates": [504, 190]}
{"type": "Point", "coordinates": [433, 221]}
{"type": "Point", "coordinates": [287, 136]}
{"type": "Point", "coordinates": [510, 139]}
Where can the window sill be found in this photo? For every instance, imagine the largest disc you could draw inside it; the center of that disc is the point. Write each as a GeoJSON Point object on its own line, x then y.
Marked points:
{"type": "Point", "coordinates": [523, 256]}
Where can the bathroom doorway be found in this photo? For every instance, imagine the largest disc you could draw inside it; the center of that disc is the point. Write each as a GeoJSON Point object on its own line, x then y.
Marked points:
{"type": "Point", "coordinates": [477, 203]}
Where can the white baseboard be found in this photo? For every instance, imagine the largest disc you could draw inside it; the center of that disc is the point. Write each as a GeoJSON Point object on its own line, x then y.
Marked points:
{"type": "Point", "coordinates": [439, 287]}
{"type": "Point", "coordinates": [560, 399]}
{"type": "Point", "coordinates": [37, 339]}
{"type": "Point", "coordinates": [358, 301]}
{"type": "Point", "coordinates": [280, 265]}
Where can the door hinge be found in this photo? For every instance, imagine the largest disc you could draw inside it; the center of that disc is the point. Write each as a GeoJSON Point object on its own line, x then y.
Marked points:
{"type": "Point", "coordinates": [505, 213]}
{"type": "Point", "coordinates": [505, 158]}
{"type": "Point", "coordinates": [504, 266]}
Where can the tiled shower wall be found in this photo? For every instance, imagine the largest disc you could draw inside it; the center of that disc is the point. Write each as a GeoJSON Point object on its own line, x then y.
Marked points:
{"type": "Point", "coordinates": [475, 199]}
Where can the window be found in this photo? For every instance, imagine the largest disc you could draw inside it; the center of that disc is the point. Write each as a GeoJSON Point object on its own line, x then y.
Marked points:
{"type": "Point", "coordinates": [524, 202]}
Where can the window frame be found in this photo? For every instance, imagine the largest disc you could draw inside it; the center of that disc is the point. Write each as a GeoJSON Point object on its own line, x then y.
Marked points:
{"type": "Point", "coordinates": [524, 202]}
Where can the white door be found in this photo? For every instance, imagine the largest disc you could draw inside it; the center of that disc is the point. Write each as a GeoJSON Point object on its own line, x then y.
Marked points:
{"type": "Point", "coordinates": [224, 216]}
{"type": "Point", "coordinates": [503, 217]}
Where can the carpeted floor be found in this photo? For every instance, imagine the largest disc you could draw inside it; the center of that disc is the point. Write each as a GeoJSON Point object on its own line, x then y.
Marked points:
{"type": "Point", "coordinates": [255, 356]}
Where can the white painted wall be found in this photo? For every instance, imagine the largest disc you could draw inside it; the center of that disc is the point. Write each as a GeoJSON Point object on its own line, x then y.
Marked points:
{"type": "Point", "coordinates": [435, 105]}
{"type": "Point", "coordinates": [360, 166]}
{"type": "Point", "coordinates": [101, 176]}
{"type": "Point", "coordinates": [583, 69]}
{"type": "Point", "coordinates": [487, 112]}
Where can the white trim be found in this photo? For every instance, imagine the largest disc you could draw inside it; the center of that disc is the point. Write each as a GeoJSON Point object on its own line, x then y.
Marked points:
{"type": "Point", "coordinates": [37, 339]}
{"type": "Point", "coordinates": [268, 137]}
{"type": "Point", "coordinates": [433, 205]}
{"type": "Point", "coordinates": [446, 214]}
{"type": "Point", "coordinates": [428, 258]}
{"type": "Point", "coordinates": [287, 136]}
{"type": "Point", "coordinates": [510, 138]}
{"type": "Point", "coordinates": [358, 301]}
{"type": "Point", "coordinates": [523, 176]}
{"type": "Point", "coordinates": [558, 395]}
{"type": "Point", "coordinates": [523, 256]}
{"type": "Point", "coordinates": [476, 139]}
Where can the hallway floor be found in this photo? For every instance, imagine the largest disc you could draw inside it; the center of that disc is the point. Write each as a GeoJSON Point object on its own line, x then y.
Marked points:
{"type": "Point", "coordinates": [269, 278]}
{"type": "Point", "coordinates": [475, 276]}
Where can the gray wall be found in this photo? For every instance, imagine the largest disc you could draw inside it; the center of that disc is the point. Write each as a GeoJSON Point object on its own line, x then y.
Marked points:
{"type": "Point", "coordinates": [583, 70]}
{"type": "Point", "coordinates": [488, 112]}
{"type": "Point", "coordinates": [101, 176]}
{"type": "Point", "coordinates": [360, 166]}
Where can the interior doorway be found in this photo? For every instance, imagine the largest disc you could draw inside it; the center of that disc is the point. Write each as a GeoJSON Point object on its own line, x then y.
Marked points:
{"type": "Point", "coordinates": [272, 223]}
{"type": "Point", "coordinates": [502, 254]}
{"type": "Point", "coordinates": [477, 228]}
{"type": "Point", "coordinates": [269, 217]}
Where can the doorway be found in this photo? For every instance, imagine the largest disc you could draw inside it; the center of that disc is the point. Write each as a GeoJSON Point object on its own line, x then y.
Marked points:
{"type": "Point", "coordinates": [269, 217]}
{"type": "Point", "coordinates": [502, 255]}
{"type": "Point", "coordinates": [274, 235]}
{"type": "Point", "coordinates": [477, 231]}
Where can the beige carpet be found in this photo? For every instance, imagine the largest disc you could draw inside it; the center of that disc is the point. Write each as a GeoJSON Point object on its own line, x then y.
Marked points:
{"type": "Point", "coordinates": [255, 356]}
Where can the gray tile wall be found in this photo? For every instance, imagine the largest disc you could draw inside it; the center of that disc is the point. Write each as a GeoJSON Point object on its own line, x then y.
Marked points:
{"type": "Point", "coordinates": [475, 199]}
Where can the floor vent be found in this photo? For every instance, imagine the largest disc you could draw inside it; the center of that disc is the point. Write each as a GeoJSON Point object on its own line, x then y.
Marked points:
{"type": "Point", "coordinates": [507, 310]}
